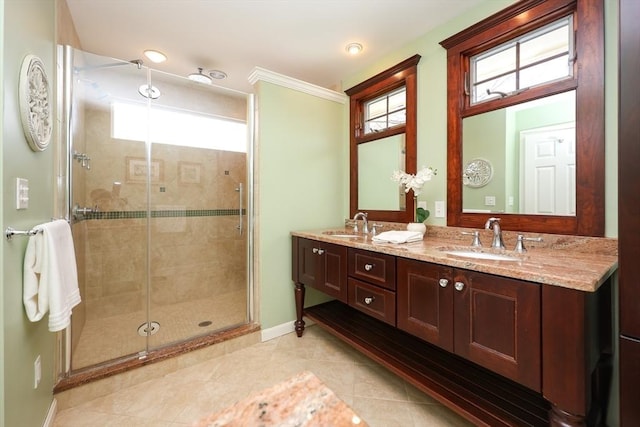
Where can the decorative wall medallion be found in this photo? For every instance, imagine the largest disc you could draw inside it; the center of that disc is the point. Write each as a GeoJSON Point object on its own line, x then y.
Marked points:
{"type": "Point", "coordinates": [35, 108]}
{"type": "Point", "coordinates": [477, 173]}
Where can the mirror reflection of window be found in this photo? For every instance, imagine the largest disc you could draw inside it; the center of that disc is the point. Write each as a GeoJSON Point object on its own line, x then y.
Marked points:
{"type": "Point", "coordinates": [541, 56]}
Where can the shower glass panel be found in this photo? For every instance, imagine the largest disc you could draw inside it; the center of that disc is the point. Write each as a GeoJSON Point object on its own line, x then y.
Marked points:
{"type": "Point", "coordinates": [157, 199]}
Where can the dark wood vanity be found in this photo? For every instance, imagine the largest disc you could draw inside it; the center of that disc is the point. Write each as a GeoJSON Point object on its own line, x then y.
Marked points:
{"type": "Point", "coordinates": [500, 342]}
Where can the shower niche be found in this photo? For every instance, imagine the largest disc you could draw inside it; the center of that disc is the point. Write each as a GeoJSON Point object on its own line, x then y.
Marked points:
{"type": "Point", "coordinates": [158, 191]}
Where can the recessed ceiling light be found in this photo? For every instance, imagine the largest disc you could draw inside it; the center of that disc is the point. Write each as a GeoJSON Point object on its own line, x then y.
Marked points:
{"type": "Point", "coordinates": [354, 48]}
{"type": "Point", "coordinates": [200, 77]}
{"type": "Point", "coordinates": [155, 56]}
{"type": "Point", "coordinates": [217, 74]}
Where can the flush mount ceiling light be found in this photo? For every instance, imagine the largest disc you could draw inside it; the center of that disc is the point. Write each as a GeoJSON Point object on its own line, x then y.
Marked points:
{"type": "Point", "coordinates": [354, 48]}
{"type": "Point", "coordinates": [155, 56]}
{"type": "Point", "coordinates": [149, 91]}
{"type": "Point", "coordinates": [200, 77]}
{"type": "Point", "coordinates": [217, 74]}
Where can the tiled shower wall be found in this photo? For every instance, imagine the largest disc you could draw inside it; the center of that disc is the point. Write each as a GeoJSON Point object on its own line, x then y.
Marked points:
{"type": "Point", "coordinates": [196, 250]}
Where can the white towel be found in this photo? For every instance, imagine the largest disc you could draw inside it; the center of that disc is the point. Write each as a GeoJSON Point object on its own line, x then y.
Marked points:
{"type": "Point", "coordinates": [398, 236]}
{"type": "Point", "coordinates": [50, 275]}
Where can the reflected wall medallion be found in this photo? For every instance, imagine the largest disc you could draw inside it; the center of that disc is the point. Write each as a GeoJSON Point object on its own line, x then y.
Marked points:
{"type": "Point", "coordinates": [477, 173]}
{"type": "Point", "coordinates": [35, 105]}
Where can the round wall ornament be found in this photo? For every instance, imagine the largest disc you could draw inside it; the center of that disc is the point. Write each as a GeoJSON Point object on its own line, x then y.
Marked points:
{"type": "Point", "coordinates": [35, 107]}
{"type": "Point", "coordinates": [477, 173]}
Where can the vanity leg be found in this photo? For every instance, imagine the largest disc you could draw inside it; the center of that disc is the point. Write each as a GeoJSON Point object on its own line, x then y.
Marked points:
{"type": "Point", "coordinates": [560, 418]}
{"type": "Point", "coordinates": [299, 294]}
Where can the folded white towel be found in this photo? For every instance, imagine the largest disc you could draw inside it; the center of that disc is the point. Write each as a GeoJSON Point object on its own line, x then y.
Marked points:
{"type": "Point", "coordinates": [398, 236]}
{"type": "Point", "coordinates": [50, 275]}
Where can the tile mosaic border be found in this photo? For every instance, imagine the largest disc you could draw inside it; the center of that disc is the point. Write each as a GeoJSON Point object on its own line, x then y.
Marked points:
{"type": "Point", "coordinates": [162, 214]}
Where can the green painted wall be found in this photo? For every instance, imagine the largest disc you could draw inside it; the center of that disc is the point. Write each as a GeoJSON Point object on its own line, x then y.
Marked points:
{"type": "Point", "coordinates": [299, 186]}
{"type": "Point", "coordinates": [28, 28]}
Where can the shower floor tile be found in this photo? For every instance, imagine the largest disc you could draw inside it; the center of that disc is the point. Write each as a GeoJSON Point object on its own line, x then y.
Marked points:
{"type": "Point", "coordinates": [115, 337]}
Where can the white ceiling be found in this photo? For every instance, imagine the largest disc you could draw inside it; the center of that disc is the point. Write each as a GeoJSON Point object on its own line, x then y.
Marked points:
{"type": "Point", "coordinates": [304, 39]}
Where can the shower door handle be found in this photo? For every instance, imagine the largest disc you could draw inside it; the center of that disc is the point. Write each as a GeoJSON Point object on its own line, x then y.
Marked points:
{"type": "Point", "coordinates": [239, 226]}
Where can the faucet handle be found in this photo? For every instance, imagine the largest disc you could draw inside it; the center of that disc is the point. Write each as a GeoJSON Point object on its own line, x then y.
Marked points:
{"type": "Point", "coordinates": [520, 242]}
{"type": "Point", "coordinates": [375, 227]}
{"type": "Point", "coordinates": [476, 243]}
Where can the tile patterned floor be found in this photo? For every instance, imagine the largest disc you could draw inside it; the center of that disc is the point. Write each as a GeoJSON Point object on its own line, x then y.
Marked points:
{"type": "Point", "coordinates": [182, 397]}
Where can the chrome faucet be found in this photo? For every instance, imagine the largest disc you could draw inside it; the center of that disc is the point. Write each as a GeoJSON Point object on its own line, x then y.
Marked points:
{"type": "Point", "coordinates": [365, 224]}
{"type": "Point", "coordinates": [497, 232]}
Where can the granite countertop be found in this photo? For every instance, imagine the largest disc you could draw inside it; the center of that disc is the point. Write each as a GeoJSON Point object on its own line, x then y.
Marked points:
{"type": "Point", "coordinates": [575, 262]}
{"type": "Point", "coordinates": [300, 401]}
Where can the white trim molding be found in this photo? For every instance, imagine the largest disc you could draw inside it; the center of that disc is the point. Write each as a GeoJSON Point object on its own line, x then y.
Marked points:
{"type": "Point", "coordinates": [51, 414]}
{"type": "Point", "coordinates": [282, 329]}
{"type": "Point", "coordinates": [262, 74]}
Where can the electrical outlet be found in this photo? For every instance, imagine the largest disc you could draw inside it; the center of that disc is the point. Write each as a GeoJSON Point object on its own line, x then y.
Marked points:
{"type": "Point", "coordinates": [439, 209]}
{"type": "Point", "coordinates": [37, 372]}
{"type": "Point", "coordinates": [489, 200]}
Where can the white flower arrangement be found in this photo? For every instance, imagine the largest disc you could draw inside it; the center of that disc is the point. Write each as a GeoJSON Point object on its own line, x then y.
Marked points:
{"type": "Point", "coordinates": [414, 182]}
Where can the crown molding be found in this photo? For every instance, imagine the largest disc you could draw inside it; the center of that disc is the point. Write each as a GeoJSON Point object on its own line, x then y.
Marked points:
{"type": "Point", "coordinates": [261, 74]}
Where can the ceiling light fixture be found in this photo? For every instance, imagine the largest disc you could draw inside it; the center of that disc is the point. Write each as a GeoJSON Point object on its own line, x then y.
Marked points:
{"type": "Point", "coordinates": [155, 56]}
{"type": "Point", "coordinates": [354, 48]}
{"type": "Point", "coordinates": [200, 77]}
{"type": "Point", "coordinates": [217, 74]}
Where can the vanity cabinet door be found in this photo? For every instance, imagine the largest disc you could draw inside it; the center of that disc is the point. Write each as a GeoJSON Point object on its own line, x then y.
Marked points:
{"type": "Point", "coordinates": [425, 301]}
{"type": "Point", "coordinates": [323, 266]}
{"type": "Point", "coordinates": [497, 325]}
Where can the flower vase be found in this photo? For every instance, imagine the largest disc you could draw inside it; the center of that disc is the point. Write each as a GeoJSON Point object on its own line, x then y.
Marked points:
{"type": "Point", "coordinates": [415, 225]}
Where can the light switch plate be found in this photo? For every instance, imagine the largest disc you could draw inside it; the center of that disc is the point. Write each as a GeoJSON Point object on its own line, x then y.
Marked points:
{"type": "Point", "coordinates": [22, 193]}
{"type": "Point", "coordinates": [439, 209]}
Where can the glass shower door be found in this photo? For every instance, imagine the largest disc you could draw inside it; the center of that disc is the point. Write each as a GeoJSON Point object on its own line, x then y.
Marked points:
{"type": "Point", "coordinates": [157, 197]}
{"type": "Point", "coordinates": [108, 211]}
{"type": "Point", "coordinates": [198, 242]}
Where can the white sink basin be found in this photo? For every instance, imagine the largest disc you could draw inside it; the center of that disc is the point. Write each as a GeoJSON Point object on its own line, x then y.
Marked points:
{"type": "Point", "coordinates": [481, 255]}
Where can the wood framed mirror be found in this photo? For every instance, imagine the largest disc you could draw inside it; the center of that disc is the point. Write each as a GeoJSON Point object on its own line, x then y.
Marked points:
{"type": "Point", "coordinates": [585, 79]}
{"type": "Point", "coordinates": [383, 139]}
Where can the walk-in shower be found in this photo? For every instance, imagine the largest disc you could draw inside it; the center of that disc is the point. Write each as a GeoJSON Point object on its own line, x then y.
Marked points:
{"type": "Point", "coordinates": [158, 191]}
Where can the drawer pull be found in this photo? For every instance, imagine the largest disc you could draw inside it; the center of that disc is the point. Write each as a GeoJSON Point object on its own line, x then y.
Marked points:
{"type": "Point", "coordinates": [369, 300]}
{"type": "Point", "coordinates": [368, 267]}
{"type": "Point", "coordinates": [443, 283]}
{"type": "Point", "coordinates": [320, 251]}
{"type": "Point", "coordinates": [459, 286]}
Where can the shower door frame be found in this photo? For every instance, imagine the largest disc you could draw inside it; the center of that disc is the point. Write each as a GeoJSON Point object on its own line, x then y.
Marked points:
{"type": "Point", "coordinates": [63, 200]}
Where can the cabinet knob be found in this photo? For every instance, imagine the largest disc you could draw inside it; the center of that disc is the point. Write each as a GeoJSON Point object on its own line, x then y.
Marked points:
{"type": "Point", "coordinates": [368, 267]}
{"type": "Point", "coordinates": [314, 250]}
{"type": "Point", "coordinates": [369, 300]}
{"type": "Point", "coordinates": [459, 286]}
{"type": "Point", "coordinates": [443, 283]}
{"type": "Point", "coordinates": [320, 251]}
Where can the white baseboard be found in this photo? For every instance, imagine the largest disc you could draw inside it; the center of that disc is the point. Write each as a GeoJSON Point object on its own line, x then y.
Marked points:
{"type": "Point", "coordinates": [280, 330]}
{"type": "Point", "coordinates": [51, 414]}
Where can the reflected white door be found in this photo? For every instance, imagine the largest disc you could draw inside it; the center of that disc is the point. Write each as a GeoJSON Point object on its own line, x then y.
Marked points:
{"type": "Point", "coordinates": [548, 170]}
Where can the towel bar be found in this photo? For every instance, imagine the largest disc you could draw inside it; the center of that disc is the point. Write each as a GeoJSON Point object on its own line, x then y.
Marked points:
{"type": "Point", "coordinates": [10, 232]}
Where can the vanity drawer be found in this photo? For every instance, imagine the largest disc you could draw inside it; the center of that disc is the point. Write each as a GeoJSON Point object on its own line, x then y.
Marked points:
{"type": "Point", "coordinates": [373, 267]}
{"type": "Point", "coordinates": [372, 300]}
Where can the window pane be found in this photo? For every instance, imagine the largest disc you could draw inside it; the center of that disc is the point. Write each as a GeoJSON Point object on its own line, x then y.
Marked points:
{"type": "Point", "coordinates": [375, 125]}
{"type": "Point", "coordinates": [398, 118]}
{"type": "Point", "coordinates": [545, 72]}
{"type": "Point", "coordinates": [503, 84]}
{"type": "Point", "coordinates": [377, 107]}
{"type": "Point", "coordinates": [397, 101]}
{"type": "Point", "coordinates": [495, 63]}
{"type": "Point", "coordinates": [544, 46]}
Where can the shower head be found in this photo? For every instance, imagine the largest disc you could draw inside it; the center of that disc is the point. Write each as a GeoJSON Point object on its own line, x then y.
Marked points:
{"type": "Point", "coordinates": [200, 77]}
